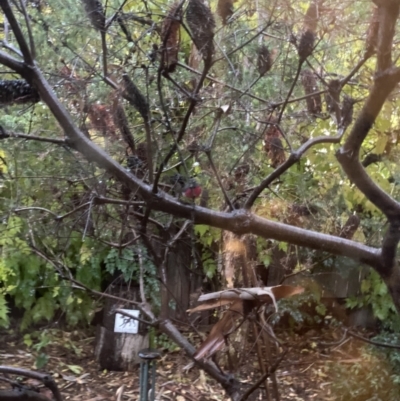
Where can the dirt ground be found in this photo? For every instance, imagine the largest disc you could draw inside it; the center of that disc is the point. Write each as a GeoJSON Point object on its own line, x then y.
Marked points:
{"type": "Point", "coordinates": [68, 356]}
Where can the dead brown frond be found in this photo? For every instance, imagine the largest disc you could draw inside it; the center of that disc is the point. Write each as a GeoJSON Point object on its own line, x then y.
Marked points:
{"type": "Point", "coordinates": [314, 103]}
{"type": "Point", "coordinates": [121, 122]}
{"type": "Point", "coordinates": [101, 119]}
{"type": "Point", "coordinates": [332, 98]}
{"type": "Point", "coordinates": [264, 60]}
{"type": "Point", "coordinates": [273, 145]}
{"type": "Point", "coordinates": [95, 12]}
{"type": "Point", "coordinates": [170, 37]}
{"type": "Point", "coordinates": [306, 45]}
{"type": "Point", "coordinates": [135, 97]}
{"type": "Point", "coordinates": [225, 10]}
{"type": "Point", "coordinates": [201, 23]}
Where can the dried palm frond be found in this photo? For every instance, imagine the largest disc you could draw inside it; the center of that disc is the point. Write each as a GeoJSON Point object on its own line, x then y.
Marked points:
{"type": "Point", "coordinates": [171, 38]}
{"type": "Point", "coordinates": [201, 23]}
{"type": "Point", "coordinates": [17, 91]}
{"type": "Point", "coordinates": [225, 10]}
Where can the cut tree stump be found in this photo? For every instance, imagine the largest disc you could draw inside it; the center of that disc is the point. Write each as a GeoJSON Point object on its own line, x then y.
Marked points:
{"type": "Point", "coordinates": [119, 351]}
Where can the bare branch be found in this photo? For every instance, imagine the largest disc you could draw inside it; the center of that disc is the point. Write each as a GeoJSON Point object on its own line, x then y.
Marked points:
{"type": "Point", "coordinates": [292, 159]}
{"type": "Point", "coordinates": [4, 134]}
{"type": "Point", "coordinates": [23, 45]}
{"type": "Point", "coordinates": [11, 62]}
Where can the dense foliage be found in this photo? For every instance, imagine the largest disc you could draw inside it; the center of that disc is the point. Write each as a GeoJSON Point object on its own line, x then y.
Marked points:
{"type": "Point", "coordinates": [282, 112]}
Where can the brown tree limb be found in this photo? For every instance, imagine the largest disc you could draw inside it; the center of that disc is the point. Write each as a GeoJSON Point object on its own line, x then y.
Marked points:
{"type": "Point", "coordinates": [46, 379]}
{"type": "Point", "coordinates": [6, 134]}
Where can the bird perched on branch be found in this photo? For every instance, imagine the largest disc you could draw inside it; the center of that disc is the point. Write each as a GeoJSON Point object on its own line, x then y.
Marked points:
{"type": "Point", "coordinates": [192, 189]}
{"type": "Point", "coordinates": [189, 188]}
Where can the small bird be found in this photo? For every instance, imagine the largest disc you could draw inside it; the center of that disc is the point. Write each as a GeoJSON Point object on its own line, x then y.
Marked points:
{"type": "Point", "coordinates": [192, 189]}
{"type": "Point", "coordinates": [177, 182]}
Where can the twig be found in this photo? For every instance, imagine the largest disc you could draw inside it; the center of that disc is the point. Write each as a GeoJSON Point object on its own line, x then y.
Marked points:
{"type": "Point", "coordinates": [258, 383]}
{"type": "Point", "coordinates": [292, 159]}
{"type": "Point", "coordinates": [4, 135]}
{"type": "Point", "coordinates": [376, 343]}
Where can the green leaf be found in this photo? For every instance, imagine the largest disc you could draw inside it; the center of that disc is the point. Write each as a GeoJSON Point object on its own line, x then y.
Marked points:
{"type": "Point", "coordinates": [41, 360]}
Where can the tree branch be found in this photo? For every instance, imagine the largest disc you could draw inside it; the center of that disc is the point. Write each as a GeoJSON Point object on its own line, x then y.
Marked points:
{"type": "Point", "coordinates": [292, 159]}
{"type": "Point", "coordinates": [23, 45]}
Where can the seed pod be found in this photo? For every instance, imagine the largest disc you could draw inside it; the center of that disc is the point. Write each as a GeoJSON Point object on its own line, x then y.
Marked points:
{"type": "Point", "coordinates": [314, 103]}
{"type": "Point", "coordinates": [133, 95]}
{"type": "Point", "coordinates": [332, 97]}
{"type": "Point", "coordinates": [264, 60]}
{"type": "Point", "coordinates": [306, 45]}
{"type": "Point", "coordinates": [225, 10]}
{"type": "Point", "coordinates": [95, 12]}
{"type": "Point", "coordinates": [273, 145]}
{"type": "Point", "coordinates": [201, 23]}
{"type": "Point", "coordinates": [17, 91]}
{"type": "Point", "coordinates": [171, 38]}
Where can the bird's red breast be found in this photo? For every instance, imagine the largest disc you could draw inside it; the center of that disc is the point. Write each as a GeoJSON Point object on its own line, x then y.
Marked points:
{"type": "Point", "coordinates": [192, 192]}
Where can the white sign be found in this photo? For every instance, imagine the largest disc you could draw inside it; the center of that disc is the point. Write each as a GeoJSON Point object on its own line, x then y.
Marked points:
{"type": "Point", "coordinates": [125, 324]}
